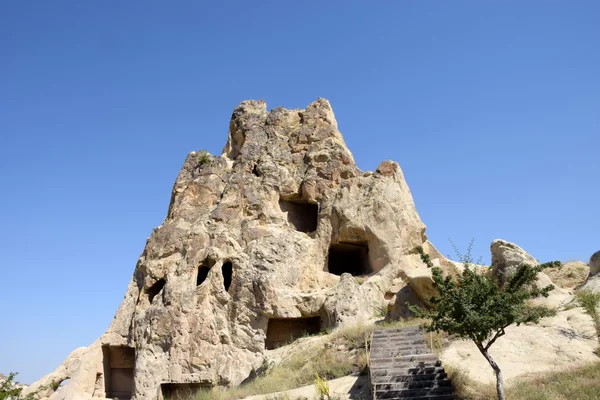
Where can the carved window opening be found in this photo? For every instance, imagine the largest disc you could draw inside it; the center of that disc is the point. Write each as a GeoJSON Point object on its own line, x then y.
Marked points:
{"type": "Point", "coordinates": [118, 362]}
{"type": "Point", "coordinates": [181, 390]}
{"type": "Point", "coordinates": [302, 215]}
{"type": "Point", "coordinates": [282, 331]}
{"type": "Point", "coordinates": [202, 274]}
{"type": "Point", "coordinates": [227, 270]}
{"type": "Point", "coordinates": [156, 289]}
{"type": "Point", "coordinates": [352, 258]}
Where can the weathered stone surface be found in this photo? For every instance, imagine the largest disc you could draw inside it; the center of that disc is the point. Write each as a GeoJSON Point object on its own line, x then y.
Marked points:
{"type": "Point", "coordinates": [563, 341]}
{"type": "Point", "coordinates": [569, 275]}
{"type": "Point", "coordinates": [247, 239]}
{"type": "Point", "coordinates": [506, 259]}
{"type": "Point", "coordinates": [592, 284]}
{"type": "Point", "coordinates": [595, 263]}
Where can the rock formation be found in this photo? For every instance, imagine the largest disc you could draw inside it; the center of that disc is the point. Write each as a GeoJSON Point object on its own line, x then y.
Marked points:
{"type": "Point", "coordinates": [259, 244]}
{"type": "Point", "coordinates": [564, 340]}
{"type": "Point", "coordinates": [569, 275]}
{"type": "Point", "coordinates": [281, 234]}
{"type": "Point", "coordinates": [593, 283]}
{"type": "Point", "coordinates": [506, 259]}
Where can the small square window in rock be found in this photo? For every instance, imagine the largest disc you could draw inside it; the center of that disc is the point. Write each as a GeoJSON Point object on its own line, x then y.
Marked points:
{"type": "Point", "coordinates": [302, 215]}
{"type": "Point", "coordinates": [282, 331]}
{"type": "Point", "coordinates": [352, 258]}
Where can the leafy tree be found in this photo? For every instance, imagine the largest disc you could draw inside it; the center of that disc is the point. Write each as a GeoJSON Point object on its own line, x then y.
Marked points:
{"type": "Point", "coordinates": [473, 306]}
{"type": "Point", "coordinates": [9, 389]}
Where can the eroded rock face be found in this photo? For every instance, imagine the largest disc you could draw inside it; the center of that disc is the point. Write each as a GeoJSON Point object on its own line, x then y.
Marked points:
{"type": "Point", "coordinates": [507, 257]}
{"type": "Point", "coordinates": [569, 275]}
{"type": "Point", "coordinates": [595, 263]}
{"type": "Point", "coordinates": [277, 227]}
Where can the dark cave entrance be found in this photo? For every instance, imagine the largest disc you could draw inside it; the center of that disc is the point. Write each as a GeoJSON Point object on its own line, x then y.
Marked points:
{"type": "Point", "coordinates": [181, 391]}
{"type": "Point", "coordinates": [301, 215]}
{"type": "Point", "coordinates": [118, 362]}
{"type": "Point", "coordinates": [227, 270]}
{"type": "Point", "coordinates": [352, 258]}
{"type": "Point", "coordinates": [202, 274]}
{"type": "Point", "coordinates": [155, 289]}
{"type": "Point", "coordinates": [282, 331]}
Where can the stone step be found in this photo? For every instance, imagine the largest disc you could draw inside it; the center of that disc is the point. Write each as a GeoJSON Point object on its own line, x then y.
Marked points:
{"type": "Point", "coordinates": [416, 359]}
{"type": "Point", "coordinates": [431, 397]}
{"type": "Point", "coordinates": [396, 333]}
{"type": "Point", "coordinates": [389, 379]}
{"type": "Point", "coordinates": [392, 332]}
{"type": "Point", "coordinates": [411, 393]}
{"type": "Point", "coordinates": [403, 367]}
{"type": "Point", "coordinates": [398, 336]}
{"type": "Point", "coordinates": [386, 353]}
{"type": "Point", "coordinates": [410, 371]}
{"type": "Point", "coordinates": [397, 343]}
{"type": "Point", "coordinates": [432, 384]}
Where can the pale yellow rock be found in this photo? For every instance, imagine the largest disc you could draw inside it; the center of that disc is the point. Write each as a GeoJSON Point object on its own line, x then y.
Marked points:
{"type": "Point", "coordinates": [569, 275]}
{"type": "Point", "coordinates": [347, 387]}
{"type": "Point", "coordinates": [563, 341]}
{"type": "Point", "coordinates": [262, 216]}
{"type": "Point", "coordinates": [507, 257]}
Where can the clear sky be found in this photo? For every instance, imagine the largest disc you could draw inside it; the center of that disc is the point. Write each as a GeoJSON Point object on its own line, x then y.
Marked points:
{"type": "Point", "coordinates": [492, 109]}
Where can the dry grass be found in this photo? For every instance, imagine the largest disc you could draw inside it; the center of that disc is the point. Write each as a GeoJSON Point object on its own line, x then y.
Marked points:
{"type": "Point", "coordinates": [338, 354]}
{"type": "Point", "coordinates": [578, 384]}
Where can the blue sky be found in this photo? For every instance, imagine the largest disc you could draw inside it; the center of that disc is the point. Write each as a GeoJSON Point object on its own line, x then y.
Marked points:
{"type": "Point", "coordinates": [491, 108]}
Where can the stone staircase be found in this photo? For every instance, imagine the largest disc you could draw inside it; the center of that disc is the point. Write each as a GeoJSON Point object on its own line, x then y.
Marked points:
{"type": "Point", "coordinates": [402, 367]}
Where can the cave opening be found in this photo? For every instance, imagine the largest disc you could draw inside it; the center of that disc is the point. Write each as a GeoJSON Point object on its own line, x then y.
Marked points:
{"type": "Point", "coordinates": [227, 270]}
{"type": "Point", "coordinates": [155, 289]}
{"type": "Point", "coordinates": [303, 216]}
{"type": "Point", "coordinates": [281, 331]}
{"type": "Point", "coordinates": [202, 274]}
{"type": "Point", "coordinates": [352, 258]}
{"type": "Point", "coordinates": [181, 391]}
{"type": "Point", "coordinates": [118, 363]}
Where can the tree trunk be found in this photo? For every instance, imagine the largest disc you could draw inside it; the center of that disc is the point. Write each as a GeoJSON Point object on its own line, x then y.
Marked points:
{"type": "Point", "coordinates": [496, 368]}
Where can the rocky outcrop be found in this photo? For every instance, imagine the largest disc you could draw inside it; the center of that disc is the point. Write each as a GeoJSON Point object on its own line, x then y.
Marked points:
{"type": "Point", "coordinates": [563, 341]}
{"type": "Point", "coordinates": [282, 226]}
{"type": "Point", "coordinates": [569, 275]}
{"type": "Point", "coordinates": [595, 263]}
{"type": "Point", "coordinates": [508, 257]}
{"type": "Point", "coordinates": [592, 284]}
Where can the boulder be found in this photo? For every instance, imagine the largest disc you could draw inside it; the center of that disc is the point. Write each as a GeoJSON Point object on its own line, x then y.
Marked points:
{"type": "Point", "coordinates": [569, 275]}
{"type": "Point", "coordinates": [595, 263]}
{"type": "Point", "coordinates": [592, 284]}
{"type": "Point", "coordinates": [507, 257]}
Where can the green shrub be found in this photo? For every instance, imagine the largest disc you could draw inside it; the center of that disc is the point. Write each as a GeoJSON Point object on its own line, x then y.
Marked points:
{"type": "Point", "coordinates": [204, 158]}
{"type": "Point", "coordinates": [590, 302]}
{"type": "Point", "coordinates": [9, 389]}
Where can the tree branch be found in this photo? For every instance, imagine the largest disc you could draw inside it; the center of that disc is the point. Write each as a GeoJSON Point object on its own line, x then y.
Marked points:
{"type": "Point", "coordinates": [496, 336]}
